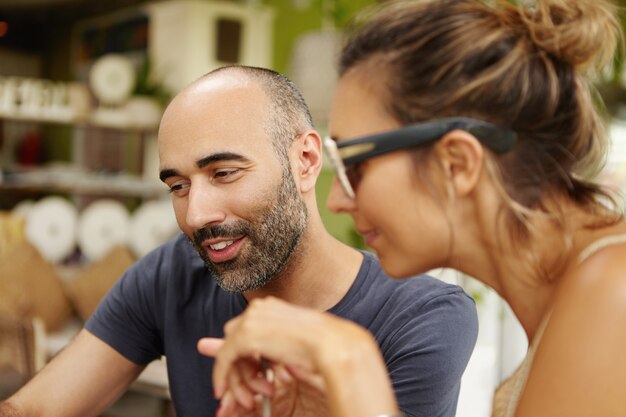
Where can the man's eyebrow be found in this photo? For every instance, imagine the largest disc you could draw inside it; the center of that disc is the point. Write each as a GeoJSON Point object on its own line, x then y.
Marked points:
{"type": "Point", "coordinates": [222, 156]}
{"type": "Point", "coordinates": [166, 173]}
{"type": "Point", "coordinates": [203, 162]}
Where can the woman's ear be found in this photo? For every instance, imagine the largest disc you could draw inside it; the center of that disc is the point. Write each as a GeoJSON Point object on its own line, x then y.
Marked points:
{"type": "Point", "coordinates": [461, 156]}
{"type": "Point", "coordinates": [309, 160]}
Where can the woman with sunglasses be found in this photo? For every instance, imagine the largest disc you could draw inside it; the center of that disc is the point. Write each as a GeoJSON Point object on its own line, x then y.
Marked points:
{"type": "Point", "coordinates": [464, 135]}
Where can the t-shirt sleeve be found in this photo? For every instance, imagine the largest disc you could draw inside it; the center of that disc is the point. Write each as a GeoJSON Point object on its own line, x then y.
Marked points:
{"type": "Point", "coordinates": [126, 319]}
{"type": "Point", "coordinates": [428, 352]}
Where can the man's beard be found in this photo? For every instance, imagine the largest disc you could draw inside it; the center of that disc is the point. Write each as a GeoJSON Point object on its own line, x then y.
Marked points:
{"type": "Point", "coordinates": [273, 238]}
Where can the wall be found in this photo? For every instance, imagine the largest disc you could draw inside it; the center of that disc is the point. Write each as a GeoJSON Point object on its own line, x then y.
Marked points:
{"type": "Point", "coordinates": [339, 225]}
{"type": "Point", "coordinates": [19, 64]}
{"type": "Point", "coordinates": [292, 19]}
{"type": "Point", "coordinates": [297, 17]}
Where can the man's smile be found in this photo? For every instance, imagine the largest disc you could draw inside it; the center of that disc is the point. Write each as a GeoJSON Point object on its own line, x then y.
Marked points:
{"type": "Point", "coordinates": [222, 250]}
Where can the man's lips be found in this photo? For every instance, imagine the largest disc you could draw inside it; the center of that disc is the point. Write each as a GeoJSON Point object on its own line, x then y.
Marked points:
{"type": "Point", "coordinates": [224, 249]}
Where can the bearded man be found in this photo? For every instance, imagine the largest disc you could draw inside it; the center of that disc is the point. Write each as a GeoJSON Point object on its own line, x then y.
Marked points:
{"type": "Point", "coordinates": [241, 160]}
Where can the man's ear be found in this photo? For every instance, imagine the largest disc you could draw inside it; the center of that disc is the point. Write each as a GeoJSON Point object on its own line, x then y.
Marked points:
{"type": "Point", "coordinates": [461, 156]}
{"type": "Point", "coordinates": [309, 160]}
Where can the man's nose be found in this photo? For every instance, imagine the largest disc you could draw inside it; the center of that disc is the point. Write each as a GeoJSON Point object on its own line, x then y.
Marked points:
{"type": "Point", "coordinates": [337, 200]}
{"type": "Point", "coordinates": [204, 207]}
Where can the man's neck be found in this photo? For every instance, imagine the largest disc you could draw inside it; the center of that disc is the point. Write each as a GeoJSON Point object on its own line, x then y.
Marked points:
{"type": "Point", "coordinates": [318, 275]}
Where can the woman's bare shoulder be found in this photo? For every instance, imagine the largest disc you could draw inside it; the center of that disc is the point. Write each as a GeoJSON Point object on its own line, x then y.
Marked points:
{"type": "Point", "coordinates": [579, 367]}
{"type": "Point", "coordinates": [600, 276]}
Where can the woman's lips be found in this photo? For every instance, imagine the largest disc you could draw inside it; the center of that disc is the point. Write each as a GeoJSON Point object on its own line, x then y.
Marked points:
{"type": "Point", "coordinates": [369, 237]}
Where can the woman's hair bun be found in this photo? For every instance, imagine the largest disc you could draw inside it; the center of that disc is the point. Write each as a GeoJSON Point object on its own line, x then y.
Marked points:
{"type": "Point", "coordinates": [583, 33]}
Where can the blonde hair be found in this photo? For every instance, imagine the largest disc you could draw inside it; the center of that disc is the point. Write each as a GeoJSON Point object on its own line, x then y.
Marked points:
{"type": "Point", "coordinates": [523, 67]}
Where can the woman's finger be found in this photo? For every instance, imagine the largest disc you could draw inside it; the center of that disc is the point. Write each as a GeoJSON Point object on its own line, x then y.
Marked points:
{"type": "Point", "coordinates": [252, 375]}
{"type": "Point", "coordinates": [236, 384]}
{"type": "Point", "coordinates": [225, 359]}
{"type": "Point", "coordinates": [227, 406]}
{"type": "Point", "coordinates": [280, 332]}
{"type": "Point", "coordinates": [209, 346]}
{"type": "Point", "coordinates": [311, 378]}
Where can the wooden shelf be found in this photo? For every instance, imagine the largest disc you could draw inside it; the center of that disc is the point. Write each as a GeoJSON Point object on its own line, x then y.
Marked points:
{"type": "Point", "coordinates": [96, 172]}
{"type": "Point", "coordinates": [80, 124]}
{"type": "Point", "coordinates": [82, 184]}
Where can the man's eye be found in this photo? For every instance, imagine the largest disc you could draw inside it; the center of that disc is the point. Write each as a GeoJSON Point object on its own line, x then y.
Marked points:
{"type": "Point", "coordinates": [179, 188]}
{"type": "Point", "coordinates": [226, 174]}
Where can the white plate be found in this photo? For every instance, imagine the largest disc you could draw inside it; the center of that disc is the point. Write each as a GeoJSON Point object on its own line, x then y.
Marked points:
{"type": "Point", "coordinates": [112, 79]}
{"type": "Point", "coordinates": [152, 224]}
{"type": "Point", "coordinates": [101, 226]}
{"type": "Point", "coordinates": [51, 228]}
{"type": "Point", "coordinates": [23, 208]}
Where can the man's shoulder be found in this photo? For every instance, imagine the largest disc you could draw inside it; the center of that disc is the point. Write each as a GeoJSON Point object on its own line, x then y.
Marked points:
{"type": "Point", "coordinates": [178, 244]}
{"type": "Point", "coordinates": [171, 275]}
{"type": "Point", "coordinates": [174, 265]}
{"type": "Point", "coordinates": [424, 293]}
{"type": "Point", "coordinates": [375, 294]}
{"type": "Point", "coordinates": [424, 284]}
{"type": "Point", "coordinates": [176, 252]}
{"type": "Point", "coordinates": [408, 311]}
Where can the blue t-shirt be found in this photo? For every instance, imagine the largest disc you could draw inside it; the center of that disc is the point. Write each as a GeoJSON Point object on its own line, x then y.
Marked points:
{"type": "Point", "coordinates": [167, 301]}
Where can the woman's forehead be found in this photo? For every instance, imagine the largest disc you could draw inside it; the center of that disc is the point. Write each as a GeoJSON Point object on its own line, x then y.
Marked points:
{"type": "Point", "coordinates": [358, 109]}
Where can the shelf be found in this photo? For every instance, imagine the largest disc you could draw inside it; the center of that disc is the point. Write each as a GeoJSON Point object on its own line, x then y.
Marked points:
{"type": "Point", "coordinates": [80, 124]}
{"type": "Point", "coordinates": [81, 183]}
{"type": "Point", "coordinates": [107, 160]}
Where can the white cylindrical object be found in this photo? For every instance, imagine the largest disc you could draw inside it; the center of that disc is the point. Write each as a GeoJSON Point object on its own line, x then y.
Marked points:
{"type": "Point", "coordinates": [102, 225]}
{"type": "Point", "coordinates": [151, 224]}
{"type": "Point", "coordinates": [51, 228]}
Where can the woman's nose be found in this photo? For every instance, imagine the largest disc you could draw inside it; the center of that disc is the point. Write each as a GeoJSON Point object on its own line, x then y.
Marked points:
{"type": "Point", "coordinates": [337, 200]}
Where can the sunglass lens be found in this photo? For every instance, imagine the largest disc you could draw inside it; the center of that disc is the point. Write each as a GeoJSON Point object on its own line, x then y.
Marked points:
{"type": "Point", "coordinates": [353, 173]}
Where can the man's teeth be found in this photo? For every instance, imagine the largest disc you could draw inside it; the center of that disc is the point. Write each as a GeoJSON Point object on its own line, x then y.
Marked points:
{"type": "Point", "coordinates": [221, 245]}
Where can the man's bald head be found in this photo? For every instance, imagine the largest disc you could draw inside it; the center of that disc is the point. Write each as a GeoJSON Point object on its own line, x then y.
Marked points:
{"type": "Point", "coordinates": [288, 114]}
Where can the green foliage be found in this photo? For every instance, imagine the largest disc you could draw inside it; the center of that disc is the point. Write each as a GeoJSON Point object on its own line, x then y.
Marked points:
{"type": "Point", "coordinates": [146, 85]}
{"type": "Point", "coordinates": [610, 85]}
{"type": "Point", "coordinates": [339, 12]}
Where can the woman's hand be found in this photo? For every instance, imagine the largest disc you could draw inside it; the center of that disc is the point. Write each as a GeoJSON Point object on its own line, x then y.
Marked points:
{"type": "Point", "coordinates": [279, 332]}
{"type": "Point", "coordinates": [312, 346]}
{"type": "Point", "coordinates": [291, 398]}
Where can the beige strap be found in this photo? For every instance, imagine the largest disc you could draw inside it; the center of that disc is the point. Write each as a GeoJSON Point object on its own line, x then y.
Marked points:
{"type": "Point", "coordinates": [600, 244]}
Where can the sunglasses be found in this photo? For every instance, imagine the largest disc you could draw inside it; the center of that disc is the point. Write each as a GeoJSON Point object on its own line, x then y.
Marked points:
{"type": "Point", "coordinates": [345, 156]}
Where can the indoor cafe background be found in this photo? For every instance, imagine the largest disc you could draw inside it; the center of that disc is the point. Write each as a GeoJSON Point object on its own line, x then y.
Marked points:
{"type": "Point", "coordinates": [82, 87]}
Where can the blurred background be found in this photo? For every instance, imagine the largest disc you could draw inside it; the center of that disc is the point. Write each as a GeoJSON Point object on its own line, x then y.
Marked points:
{"type": "Point", "coordinates": [83, 84]}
